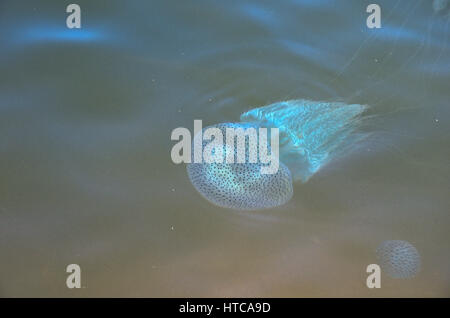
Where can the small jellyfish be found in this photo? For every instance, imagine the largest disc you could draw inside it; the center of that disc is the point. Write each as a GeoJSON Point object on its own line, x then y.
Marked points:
{"type": "Point", "coordinates": [440, 5]}
{"type": "Point", "coordinates": [399, 259]}
{"type": "Point", "coordinates": [311, 134]}
{"type": "Point", "coordinates": [240, 186]}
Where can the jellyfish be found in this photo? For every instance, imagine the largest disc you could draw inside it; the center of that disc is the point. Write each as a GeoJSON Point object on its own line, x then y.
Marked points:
{"type": "Point", "coordinates": [311, 134]}
{"type": "Point", "coordinates": [439, 6]}
{"type": "Point", "coordinates": [399, 259]}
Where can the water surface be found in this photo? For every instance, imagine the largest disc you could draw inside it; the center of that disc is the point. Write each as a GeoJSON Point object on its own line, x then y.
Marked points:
{"type": "Point", "coordinates": [86, 175]}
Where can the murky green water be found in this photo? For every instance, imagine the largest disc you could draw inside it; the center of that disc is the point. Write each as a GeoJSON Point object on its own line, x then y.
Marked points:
{"type": "Point", "coordinates": [86, 175]}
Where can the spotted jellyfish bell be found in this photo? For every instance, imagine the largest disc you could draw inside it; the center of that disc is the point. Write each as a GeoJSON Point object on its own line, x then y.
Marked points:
{"type": "Point", "coordinates": [399, 259]}
{"type": "Point", "coordinates": [240, 186]}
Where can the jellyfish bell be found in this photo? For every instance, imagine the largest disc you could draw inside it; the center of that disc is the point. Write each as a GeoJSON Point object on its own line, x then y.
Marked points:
{"type": "Point", "coordinates": [239, 185]}
{"type": "Point", "coordinates": [398, 259]}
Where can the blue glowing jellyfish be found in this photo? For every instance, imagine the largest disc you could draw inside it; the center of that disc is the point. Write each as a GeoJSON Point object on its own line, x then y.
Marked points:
{"type": "Point", "coordinates": [311, 134]}
{"type": "Point", "coordinates": [399, 259]}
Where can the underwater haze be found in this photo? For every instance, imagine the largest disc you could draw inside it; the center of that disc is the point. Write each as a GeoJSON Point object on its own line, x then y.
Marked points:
{"type": "Point", "coordinates": [86, 175]}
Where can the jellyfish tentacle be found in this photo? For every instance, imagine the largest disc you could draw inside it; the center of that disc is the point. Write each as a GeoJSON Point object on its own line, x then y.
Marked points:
{"type": "Point", "coordinates": [311, 133]}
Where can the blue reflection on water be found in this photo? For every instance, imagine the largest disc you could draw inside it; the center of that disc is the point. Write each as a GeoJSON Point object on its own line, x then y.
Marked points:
{"type": "Point", "coordinates": [47, 34]}
{"type": "Point", "coordinates": [50, 34]}
{"type": "Point", "coordinates": [260, 13]}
